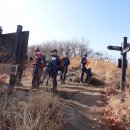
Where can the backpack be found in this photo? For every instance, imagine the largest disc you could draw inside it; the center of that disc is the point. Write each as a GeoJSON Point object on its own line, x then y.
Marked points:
{"type": "Point", "coordinates": [66, 61]}
{"type": "Point", "coordinates": [44, 58]}
{"type": "Point", "coordinates": [54, 62]}
{"type": "Point", "coordinates": [43, 61]}
{"type": "Point", "coordinates": [60, 62]}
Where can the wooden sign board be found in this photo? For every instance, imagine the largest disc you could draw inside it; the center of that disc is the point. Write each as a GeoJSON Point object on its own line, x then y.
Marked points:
{"type": "Point", "coordinates": [11, 49]}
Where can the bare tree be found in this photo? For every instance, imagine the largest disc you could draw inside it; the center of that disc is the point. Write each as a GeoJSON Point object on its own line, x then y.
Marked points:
{"type": "Point", "coordinates": [74, 47]}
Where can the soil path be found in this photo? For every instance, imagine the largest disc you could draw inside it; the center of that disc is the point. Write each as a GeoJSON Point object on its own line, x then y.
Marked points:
{"type": "Point", "coordinates": [84, 106]}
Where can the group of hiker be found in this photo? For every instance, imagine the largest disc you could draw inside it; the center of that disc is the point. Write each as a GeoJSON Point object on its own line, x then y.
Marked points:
{"type": "Point", "coordinates": [56, 63]}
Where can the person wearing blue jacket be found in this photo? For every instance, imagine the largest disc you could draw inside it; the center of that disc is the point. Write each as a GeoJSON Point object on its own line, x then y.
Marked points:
{"type": "Point", "coordinates": [53, 67]}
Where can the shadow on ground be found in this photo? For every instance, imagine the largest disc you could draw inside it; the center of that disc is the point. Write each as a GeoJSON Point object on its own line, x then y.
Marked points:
{"type": "Point", "coordinates": [84, 89]}
{"type": "Point", "coordinates": [82, 100]}
{"type": "Point", "coordinates": [95, 83]}
{"type": "Point", "coordinates": [85, 99]}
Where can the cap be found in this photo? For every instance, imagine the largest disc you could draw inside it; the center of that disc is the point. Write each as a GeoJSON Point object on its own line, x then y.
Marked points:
{"type": "Point", "coordinates": [85, 54]}
{"type": "Point", "coordinates": [37, 49]}
{"type": "Point", "coordinates": [66, 52]}
{"type": "Point", "coordinates": [53, 50]}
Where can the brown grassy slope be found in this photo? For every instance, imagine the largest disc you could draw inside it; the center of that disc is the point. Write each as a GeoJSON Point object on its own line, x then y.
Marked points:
{"type": "Point", "coordinates": [117, 113]}
{"type": "Point", "coordinates": [4, 72]}
{"type": "Point", "coordinates": [33, 111]}
{"type": "Point", "coordinates": [36, 110]}
{"type": "Point", "coordinates": [103, 69]}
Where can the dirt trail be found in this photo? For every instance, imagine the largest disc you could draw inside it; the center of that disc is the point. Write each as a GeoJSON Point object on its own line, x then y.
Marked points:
{"type": "Point", "coordinates": [84, 106]}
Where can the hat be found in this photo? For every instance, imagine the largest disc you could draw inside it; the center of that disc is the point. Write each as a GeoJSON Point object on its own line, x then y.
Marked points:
{"type": "Point", "coordinates": [66, 52]}
{"type": "Point", "coordinates": [37, 49]}
{"type": "Point", "coordinates": [53, 50]}
{"type": "Point", "coordinates": [85, 55]}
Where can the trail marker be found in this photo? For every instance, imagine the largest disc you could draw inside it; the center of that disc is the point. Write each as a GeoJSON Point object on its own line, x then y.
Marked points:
{"type": "Point", "coordinates": [125, 47]}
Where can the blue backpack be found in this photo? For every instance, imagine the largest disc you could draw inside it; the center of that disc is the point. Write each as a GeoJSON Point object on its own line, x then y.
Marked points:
{"type": "Point", "coordinates": [54, 61]}
{"type": "Point", "coordinates": [66, 62]}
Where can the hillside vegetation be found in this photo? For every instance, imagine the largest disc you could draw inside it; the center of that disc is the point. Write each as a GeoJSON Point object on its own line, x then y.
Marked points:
{"type": "Point", "coordinates": [116, 113]}
{"type": "Point", "coordinates": [41, 111]}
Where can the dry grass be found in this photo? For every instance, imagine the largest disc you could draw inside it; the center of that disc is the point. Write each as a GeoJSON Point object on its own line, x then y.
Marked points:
{"type": "Point", "coordinates": [29, 111]}
{"type": "Point", "coordinates": [4, 68]}
{"type": "Point", "coordinates": [35, 111]}
{"type": "Point", "coordinates": [4, 78]}
{"type": "Point", "coordinates": [117, 113]}
{"type": "Point", "coordinates": [104, 69]}
{"type": "Point", "coordinates": [42, 111]}
{"type": "Point", "coordinates": [74, 62]}
{"type": "Point", "coordinates": [4, 72]}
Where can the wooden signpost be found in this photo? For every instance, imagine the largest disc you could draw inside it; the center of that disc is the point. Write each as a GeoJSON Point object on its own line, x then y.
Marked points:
{"type": "Point", "coordinates": [13, 50]}
{"type": "Point", "coordinates": [125, 47]}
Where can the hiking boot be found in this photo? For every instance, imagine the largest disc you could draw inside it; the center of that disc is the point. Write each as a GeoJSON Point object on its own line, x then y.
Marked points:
{"type": "Point", "coordinates": [81, 81]}
{"type": "Point", "coordinates": [89, 80]}
{"type": "Point", "coordinates": [32, 87]}
{"type": "Point", "coordinates": [63, 82]}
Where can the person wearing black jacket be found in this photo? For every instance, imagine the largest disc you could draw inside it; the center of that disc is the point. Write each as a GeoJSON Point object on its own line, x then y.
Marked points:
{"type": "Point", "coordinates": [66, 63]}
{"type": "Point", "coordinates": [85, 70]}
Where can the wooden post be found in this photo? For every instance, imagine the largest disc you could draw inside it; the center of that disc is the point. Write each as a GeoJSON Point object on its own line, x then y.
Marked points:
{"type": "Point", "coordinates": [15, 67]}
{"type": "Point", "coordinates": [125, 47]}
{"type": "Point", "coordinates": [1, 36]}
{"type": "Point", "coordinates": [19, 41]}
{"type": "Point", "coordinates": [19, 28]}
{"type": "Point", "coordinates": [123, 65]}
{"type": "Point", "coordinates": [19, 62]}
{"type": "Point", "coordinates": [1, 30]}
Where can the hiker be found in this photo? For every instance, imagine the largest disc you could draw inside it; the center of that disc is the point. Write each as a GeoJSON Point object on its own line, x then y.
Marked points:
{"type": "Point", "coordinates": [54, 65]}
{"type": "Point", "coordinates": [49, 69]}
{"type": "Point", "coordinates": [40, 58]}
{"type": "Point", "coordinates": [66, 62]}
{"type": "Point", "coordinates": [85, 70]}
{"type": "Point", "coordinates": [39, 62]}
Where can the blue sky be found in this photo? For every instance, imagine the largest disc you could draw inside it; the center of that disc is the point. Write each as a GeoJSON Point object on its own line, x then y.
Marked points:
{"type": "Point", "coordinates": [102, 22]}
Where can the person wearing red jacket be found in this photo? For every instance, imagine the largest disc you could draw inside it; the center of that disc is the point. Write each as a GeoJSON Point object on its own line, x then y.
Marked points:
{"type": "Point", "coordinates": [39, 62]}
{"type": "Point", "coordinates": [40, 59]}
